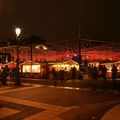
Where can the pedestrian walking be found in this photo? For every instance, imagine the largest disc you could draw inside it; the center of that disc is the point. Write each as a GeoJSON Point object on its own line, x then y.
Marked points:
{"type": "Point", "coordinates": [114, 73]}
{"type": "Point", "coordinates": [62, 75]}
{"type": "Point", "coordinates": [73, 70]}
{"type": "Point", "coordinates": [104, 72]}
{"type": "Point", "coordinates": [95, 73]}
{"type": "Point", "coordinates": [53, 72]}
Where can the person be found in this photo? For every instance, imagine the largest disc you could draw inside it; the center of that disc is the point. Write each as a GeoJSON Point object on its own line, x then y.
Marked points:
{"type": "Point", "coordinates": [95, 73]}
{"type": "Point", "coordinates": [53, 72]}
{"type": "Point", "coordinates": [86, 65]}
{"type": "Point", "coordinates": [90, 71]}
{"type": "Point", "coordinates": [62, 75]}
{"type": "Point", "coordinates": [114, 73]}
{"type": "Point", "coordinates": [5, 73]}
{"type": "Point", "coordinates": [73, 69]}
{"type": "Point", "coordinates": [104, 72]}
{"type": "Point", "coordinates": [100, 71]}
{"type": "Point", "coordinates": [47, 72]}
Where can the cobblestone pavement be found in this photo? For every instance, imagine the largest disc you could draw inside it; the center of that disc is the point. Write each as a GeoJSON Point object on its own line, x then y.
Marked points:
{"type": "Point", "coordinates": [41, 102]}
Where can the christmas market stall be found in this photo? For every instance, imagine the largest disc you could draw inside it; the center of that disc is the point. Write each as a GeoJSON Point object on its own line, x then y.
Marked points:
{"type": "Point", "coordinates": [66, 67]}
{"type": "Point", "coordinates": [30, 69]}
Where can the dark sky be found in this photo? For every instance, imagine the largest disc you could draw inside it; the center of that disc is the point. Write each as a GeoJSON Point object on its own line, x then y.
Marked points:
{"type": "Point", "coordinates": [56, 20]}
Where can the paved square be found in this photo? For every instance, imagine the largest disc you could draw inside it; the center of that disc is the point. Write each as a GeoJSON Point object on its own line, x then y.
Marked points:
{"type": "Point", "coordinates": [41, 102]}
{"type": "Point", "coordinates": [5, 112]}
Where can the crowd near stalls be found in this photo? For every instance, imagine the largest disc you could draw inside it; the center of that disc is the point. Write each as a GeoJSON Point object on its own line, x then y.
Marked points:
{"type": "Point", "coordinates": [30, 69]}
{"type": "Point", "coordinates": [61, 71]}
{"type": "Point", "coordinates": [108, 66]}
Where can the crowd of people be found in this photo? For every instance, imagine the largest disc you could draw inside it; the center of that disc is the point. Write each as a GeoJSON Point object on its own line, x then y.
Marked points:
{"type": "Point", "coordinates": [92, 71]}
{"type": "Point", "coordinates": [101, 71]}
{"type": "Point", "coordinates": [62, 74]}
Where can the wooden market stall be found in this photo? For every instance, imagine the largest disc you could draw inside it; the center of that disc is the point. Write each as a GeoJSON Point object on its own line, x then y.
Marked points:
{"type": "Point", "coordinates": [30, 69]}
{"type": "Point", "coordinates": [66, 66]}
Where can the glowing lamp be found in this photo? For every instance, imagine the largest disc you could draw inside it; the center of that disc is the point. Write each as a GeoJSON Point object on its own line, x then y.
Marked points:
{"type": "Point", "coordinates": [17, 31]}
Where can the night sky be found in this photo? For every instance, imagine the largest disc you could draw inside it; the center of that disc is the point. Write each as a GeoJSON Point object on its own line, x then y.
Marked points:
{"type": "Point", "coordinates": [57, 20]}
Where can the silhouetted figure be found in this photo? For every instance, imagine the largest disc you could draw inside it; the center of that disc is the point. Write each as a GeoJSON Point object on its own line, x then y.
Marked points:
{"type": "Point", "coordinates": [47, 72]}
{"type": "Point", "coordinates": [114, 73]}
{"type": "Point", "coordinates": [86, 62]}
{"type": "Point", "coordinates": [95, 73]}
{"type": "Point", "coordinates": [90, 71]}
{"type": "Point", "coordinates": [100, 71]}
{"type": "Point", "coordinates": [5, 73]}
{"type": "Point", "coordinates": [86, 65]}
{"type": "Point", "coordinates": [53, 72]}
{"type": "Point", "coordinates": [104, 72]}
{"type": "Point", "coordinates": [62, 75]}
{"type": "Point", "coordinates": [73, 69]}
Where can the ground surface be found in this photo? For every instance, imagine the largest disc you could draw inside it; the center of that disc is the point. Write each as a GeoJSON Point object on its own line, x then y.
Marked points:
{"type": "Point", "coordinates": [46, 102]}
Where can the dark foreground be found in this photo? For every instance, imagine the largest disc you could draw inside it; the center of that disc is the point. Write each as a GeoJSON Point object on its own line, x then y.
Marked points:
{"type": "Point", "coordinates": [45, 102]}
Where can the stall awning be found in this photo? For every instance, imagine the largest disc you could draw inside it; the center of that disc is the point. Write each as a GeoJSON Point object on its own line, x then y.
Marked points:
{"type": "Point", "coordinates": [11, 64]}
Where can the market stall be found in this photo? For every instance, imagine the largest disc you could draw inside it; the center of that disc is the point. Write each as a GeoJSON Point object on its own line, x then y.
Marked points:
{"type": "Point", "coordinates": [30, 69]}
{"type": "Point", "coordinates": [66, 66]}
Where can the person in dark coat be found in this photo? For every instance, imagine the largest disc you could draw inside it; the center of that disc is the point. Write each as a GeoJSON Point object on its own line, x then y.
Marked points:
{"type": "Point", "coordinates": [5, 73]}
{"type": "Point", "coordinates": [114, 73]}
{"type": "Point", "coordinates": [95, 73]}
{"type": "Point", "coordinates": [73, 70]}
{"type": "Point", "coordinates": [62, 75]}
{"type": "Point", "coordinates": [104, 72]}
{"type": "Point", "coordinates": [53, 72]}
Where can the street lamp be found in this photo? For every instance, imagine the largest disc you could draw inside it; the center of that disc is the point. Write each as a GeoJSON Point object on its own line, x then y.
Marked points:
{"type": "Point", "coordinates": [17, 31]}
{"type": "Point", "coordinates": [17, 79]}
{"type": "Point", "coordinates": [79, 54]}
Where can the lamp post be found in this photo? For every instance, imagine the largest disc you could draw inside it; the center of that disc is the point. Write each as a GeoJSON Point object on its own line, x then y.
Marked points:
{"type": "Point", "coordinates": [79, 54]}
{"type": "Point", "coordinates": [17, 79]}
